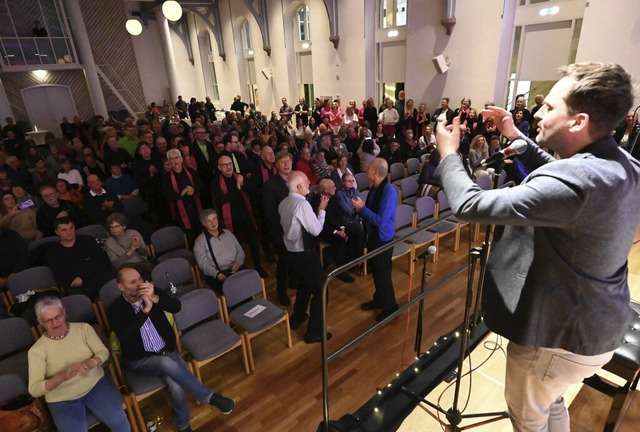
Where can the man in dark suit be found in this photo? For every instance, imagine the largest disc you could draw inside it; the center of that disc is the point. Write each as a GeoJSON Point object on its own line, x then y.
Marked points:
{"type": "Point", "coordinates": [148, 344]}
{"type": "Point", "coordinates": [556, 283]}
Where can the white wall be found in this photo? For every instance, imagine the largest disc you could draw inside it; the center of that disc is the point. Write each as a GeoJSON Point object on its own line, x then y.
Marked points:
{"type": "Point", "coordinates": [611, 33]}
{"type": "Point", "coordinates": [342, 71]}
{"type": "Point", "coordinates": [151, 64]}
{"type": "Point", "coordinates": [472, 49]}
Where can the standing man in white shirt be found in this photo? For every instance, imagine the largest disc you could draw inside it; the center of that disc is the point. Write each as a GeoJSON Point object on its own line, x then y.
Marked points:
{"type": "Point", "coordinates": [301, 226]}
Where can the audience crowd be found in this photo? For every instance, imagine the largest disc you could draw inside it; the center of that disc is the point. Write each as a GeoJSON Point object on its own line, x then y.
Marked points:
{"type": "Point", "coordinates": [218, 175]}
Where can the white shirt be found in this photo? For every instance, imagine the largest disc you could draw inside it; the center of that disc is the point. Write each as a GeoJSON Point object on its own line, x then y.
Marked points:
{"type": "Point", "coordinates": [296, 214]}
{"type": "Point", "coordinates": [73, 177]}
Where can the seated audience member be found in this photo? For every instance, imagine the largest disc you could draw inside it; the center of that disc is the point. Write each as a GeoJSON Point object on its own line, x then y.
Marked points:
{"type": "Point", "coordinates": [114, 155]}
{"type": "Point", "coordinates": [148, 344]}
{"type": "Point", "coordinates": [333, 231]}
{"type": "Point", "coordinates": [65, 368]}
{"type": "Point", "coordinates": [68, 193]}
{"type": "Point", "coordinates": [411, 147]}
{"type": "Point", "coordinates": [121, 184]}
{"type": "Point", "coordinates": [306, 165]}
{"type": "Point", "coordinates": [181, 188]}
{"type": "Point", "coordinates": [125, 246]}
{"type": "Point", "coordinates": [21, 194]}
{"type": "Point", "coordinates": [16, 172]}
{"type": "Point", "coordinates": [147, 173]}
{"type": "Point", "coordinates": [99, 203]}
{"type": "Point", "coordinates": [53, 207]}
{"type": "Point", "coordinates": [78, 262]}
{"type": "Point", "coordinates": [367, 152]}
{"type": "Point", "coordinates": [217, 251]}
{"type": "Point", "coordinates": [342, 168]}
{"type": "Point", "coordinates": [93, 166]}
{"type": "Point", "coordinates": [19, 219]}
{"type": "Point", "coordinates": [428, 140]}
{"type": "Point", "coordinates": [336, 149]}
{"type": "Point", "coordinates": [477, 153]}
{"type": "Point", "coordinates": [322, 168]}
{"type": "Point", "coordinates": [429, 168]}
{"type": "Point", "coordinates": [13, 255]}
{"type": "Point", "coordinates": [391, 153]}
{"type": "Point", "coordinates": [520, 121]}
{"type": "Point", "coordinates": [42, 174]}
{"type": "Point", "coordinates": [71, 175]}
{"type": "Point", "coordinates": [54, 160]}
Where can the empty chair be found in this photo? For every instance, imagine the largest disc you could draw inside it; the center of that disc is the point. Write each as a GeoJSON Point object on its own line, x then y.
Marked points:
{"type": "Point", "coordinates": [15, 342]}
{"type": "Point", "coordinates": [256, 314]}
{"type": "Point", "coordinates": [445, 212]}
{"type": "Point", "coordinates": [28, 279]}
{"type": "Point", "coordinates": [396, 173]}
{"type": "Point", "coordinates": [413, 168]}
{"type": "Point", "coordinates": [404, 219]}
{"type": "Point", "coordinates": [171, 242]}
{"type": "Point", "coordinates": [363, 195]}
{"type": "Point", "coordinates": [79, 308]}
{"type": "Point", "coordinates": [96, 231]}
{"type": "Point", "coordinates": [108, 293]}
{"type": "Point", "coordinates": [37, 251]}
{"type": "Point", "coordinates": [484, 182]}
{"type": "Point", "coordinates": [43, 241]}
{"type": "Point", "coordinates": [174, 271]}
{"type": "Point", "coordinates": [424, 209]}
{"type": "Point", "coordinates": [134, 206]}
{"type": "Point", "coordinates": [409, 188]}
{"type": "Point", "coordinates": [362, 181]}
{"type": "Point", "coordinates": [444, 226]}
{"type": "Point", "coordinates": [204, 336]}
{"type": "Point", "coordinates": [11, 385]}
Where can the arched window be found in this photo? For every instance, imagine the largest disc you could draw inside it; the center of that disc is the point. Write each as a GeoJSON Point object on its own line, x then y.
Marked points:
{"type": "Point", "coordinates": [212, 66]}
{"type": "Point", "coordinates": [303, 22]}
{"type": "Point", "coordinates": [393, 13]}
{"type": "Point", "coordinates": [247, 43]}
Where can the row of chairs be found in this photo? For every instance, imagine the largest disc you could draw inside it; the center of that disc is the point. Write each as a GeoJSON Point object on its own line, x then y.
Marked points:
{"type": "Point", "coordinates": [205, 329]}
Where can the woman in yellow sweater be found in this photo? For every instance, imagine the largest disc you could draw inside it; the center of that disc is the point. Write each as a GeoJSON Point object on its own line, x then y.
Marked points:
{"type": "Point", "coordinates": [64, 366]}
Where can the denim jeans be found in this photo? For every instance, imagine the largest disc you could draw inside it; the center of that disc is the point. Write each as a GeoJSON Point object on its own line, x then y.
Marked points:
{"type": "Point", "coordinates": [536, 379]}
{"type": "Point", "coordinates": [103, 402]}
{"type": "Point", "coordinates": [173, 371]}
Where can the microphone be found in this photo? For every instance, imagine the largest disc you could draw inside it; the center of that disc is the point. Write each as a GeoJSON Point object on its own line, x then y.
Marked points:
{"type": "Point", "coordinates": [430, 251]}
{"type": "Point", "coordinates": [517, 147]}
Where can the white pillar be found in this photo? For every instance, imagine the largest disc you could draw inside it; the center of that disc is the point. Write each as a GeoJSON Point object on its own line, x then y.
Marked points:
{"type": "Point", "coordinates": [370, 47]}
{"type": "Point", "coordinates": [169, 57]}
{"type": "Point", "coordinates": [81, 40]}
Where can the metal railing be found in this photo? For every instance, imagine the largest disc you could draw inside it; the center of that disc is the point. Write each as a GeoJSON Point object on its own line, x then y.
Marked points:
{"type": "Point", "coordinates": [326, 359]}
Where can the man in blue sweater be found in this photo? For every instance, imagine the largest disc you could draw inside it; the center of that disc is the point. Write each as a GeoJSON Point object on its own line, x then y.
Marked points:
{"type": "Point", "coordinates": [379, 215]}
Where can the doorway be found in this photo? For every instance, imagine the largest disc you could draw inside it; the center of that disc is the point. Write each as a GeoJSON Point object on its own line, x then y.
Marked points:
{"type": "Point", "coordinates": [46, 105]}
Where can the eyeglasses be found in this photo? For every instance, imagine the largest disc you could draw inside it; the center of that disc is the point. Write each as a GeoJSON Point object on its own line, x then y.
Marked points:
{"type": "Point", "coordinates": [115, 226]}
{"type": "Point", "coordinates": [54, 319]}
{"type": "Point", "coordinates": [51, 195]}
{"type": "Point", "coordinates": [225, 164]}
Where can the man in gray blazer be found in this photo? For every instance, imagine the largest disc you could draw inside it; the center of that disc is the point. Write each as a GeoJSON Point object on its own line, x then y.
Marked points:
{"type": "Point", "coordinates": [556, 283]}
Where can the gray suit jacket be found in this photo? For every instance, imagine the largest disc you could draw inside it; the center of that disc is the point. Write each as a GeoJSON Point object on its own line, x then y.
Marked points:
{"type": "Point", "coordinates": [557, 274]}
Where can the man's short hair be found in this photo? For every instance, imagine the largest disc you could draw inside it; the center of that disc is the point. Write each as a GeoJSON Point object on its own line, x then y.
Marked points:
{"type": "Point", "coordinates": [604, 91]}
{"type": "Point", "coordinates": [62, 221]}
{"type": "Point", "coordinates": [204, 214]}
{"type": "Point", "coordinates": [380, 167]}
{"type": "Point", "coordinates": [282, 155]}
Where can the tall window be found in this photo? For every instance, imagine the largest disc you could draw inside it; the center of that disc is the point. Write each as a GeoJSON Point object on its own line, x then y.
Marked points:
{"type": "Point", "coordinates": [212, 66]}
{"type": "Point", "coordinates": [393, 13]}
{"type": "Point", "coordinates": [304, 23]}
{"type": "Point", "coordinates": [247, 43]}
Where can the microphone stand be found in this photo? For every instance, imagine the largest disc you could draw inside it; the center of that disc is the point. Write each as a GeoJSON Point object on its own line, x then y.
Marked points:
{"type": "Point", "coordinates": [469, 326]}
{"type": "Point", "coordinates": [423, 285]}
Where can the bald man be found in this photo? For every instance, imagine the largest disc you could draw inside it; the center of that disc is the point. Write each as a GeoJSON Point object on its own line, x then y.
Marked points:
{"type": "Point", "coordinates": [301, 226]}
{"type": "Point", "coordinates": [379, 214]}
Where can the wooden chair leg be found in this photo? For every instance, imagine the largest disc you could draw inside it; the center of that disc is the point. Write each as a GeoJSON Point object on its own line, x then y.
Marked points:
{"type": "Point", "coordinates": [456, 241]}
{"type": "Point", "coordinates": [287, 329]}
{"type": "Point", "coordinates": [138, 414]}
{"type": "Point", "coordinates": [245, 358]}
{"type": "Point", "coordinates": [249, 351]}
{"type": "Point", "coordinates": [130, 414]}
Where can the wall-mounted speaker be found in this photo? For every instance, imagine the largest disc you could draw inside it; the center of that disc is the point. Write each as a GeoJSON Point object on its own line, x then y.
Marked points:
{"type": "Point", "coordinates": [441, 63]}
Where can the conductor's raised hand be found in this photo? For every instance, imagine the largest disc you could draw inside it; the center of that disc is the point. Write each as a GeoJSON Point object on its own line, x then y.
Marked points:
{"type": "Point", "coordinates": [503, 121]}
{"type": "Point", "coordinates": [448, 137]}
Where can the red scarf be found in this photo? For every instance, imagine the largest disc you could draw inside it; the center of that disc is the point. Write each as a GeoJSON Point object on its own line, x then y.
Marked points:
{"type": "Point", "coordinates": [181, 208]}
{"type": "Point", "coordinates": [265, 172]}
{"type": "Point", "coordinates": [226, 208]}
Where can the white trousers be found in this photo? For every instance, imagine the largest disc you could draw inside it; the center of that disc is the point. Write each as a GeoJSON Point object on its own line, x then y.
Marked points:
{"type": "Point", "coordinates": [536, 379]}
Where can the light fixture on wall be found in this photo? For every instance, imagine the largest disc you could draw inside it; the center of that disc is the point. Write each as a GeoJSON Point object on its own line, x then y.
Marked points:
{"type": "Point", "coordinates": [172, 10]}
{"type": "Point", "coordinates": [134, 26]}
{"type": "Point", "coordinates": [305, 45]}
{"type": "Point", "coordinates": [40, 74]}
{"type": "Point", "coordinates": [549, 11]}
{"type": "Point", "coordinates": [392, 33]}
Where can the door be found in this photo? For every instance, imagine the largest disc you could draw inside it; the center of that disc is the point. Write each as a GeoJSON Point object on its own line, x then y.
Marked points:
{"type": "Point", "coordinates": [47, 104]}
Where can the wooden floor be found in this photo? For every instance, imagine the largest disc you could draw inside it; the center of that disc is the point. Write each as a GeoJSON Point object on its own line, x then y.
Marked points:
{"type": "Point", "coordinates": [284, 393]}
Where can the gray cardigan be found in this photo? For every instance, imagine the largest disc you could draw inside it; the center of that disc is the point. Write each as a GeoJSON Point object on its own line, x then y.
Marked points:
{"type": "Point", "coordinates": [557, 274]}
